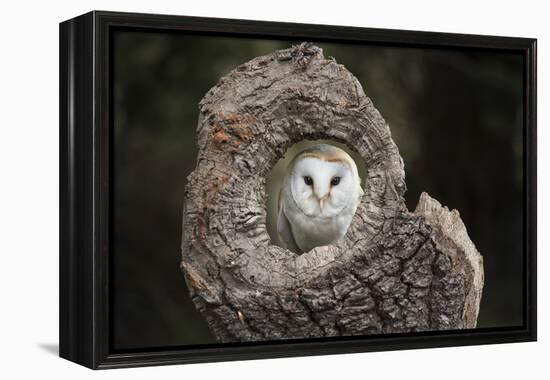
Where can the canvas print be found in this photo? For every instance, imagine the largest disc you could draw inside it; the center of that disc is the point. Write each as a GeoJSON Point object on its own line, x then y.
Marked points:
{"type": "Point", "coordinates": [273, 190]}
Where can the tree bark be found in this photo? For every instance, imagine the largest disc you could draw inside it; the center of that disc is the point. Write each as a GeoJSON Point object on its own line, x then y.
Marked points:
{"type": "Point", "coordinates": [394, 271]}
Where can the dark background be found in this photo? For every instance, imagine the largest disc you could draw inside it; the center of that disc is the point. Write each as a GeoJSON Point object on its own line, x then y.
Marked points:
{"type": "Point", "coordinates": [456, 116]}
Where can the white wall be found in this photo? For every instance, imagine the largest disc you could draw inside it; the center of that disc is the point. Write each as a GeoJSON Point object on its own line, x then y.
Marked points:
{"type": "Point", "coordinates": [29, 186]}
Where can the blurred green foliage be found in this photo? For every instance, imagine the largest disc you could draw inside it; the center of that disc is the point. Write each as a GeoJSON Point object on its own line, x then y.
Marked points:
{"type": "Point", "coordinates": [456, 116]}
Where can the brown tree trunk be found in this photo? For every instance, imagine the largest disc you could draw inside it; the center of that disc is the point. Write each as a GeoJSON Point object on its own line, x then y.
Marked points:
{"type": "Point", "coordinates": [394, 271]}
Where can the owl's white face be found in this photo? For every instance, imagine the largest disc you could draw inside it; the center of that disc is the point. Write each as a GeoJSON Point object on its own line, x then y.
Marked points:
{"type": "Point", "coordinates": [322, 188]}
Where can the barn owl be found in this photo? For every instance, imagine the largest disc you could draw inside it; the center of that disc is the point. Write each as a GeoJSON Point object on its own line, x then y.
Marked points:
{"type": "Point", "coordinates": [320, 194]}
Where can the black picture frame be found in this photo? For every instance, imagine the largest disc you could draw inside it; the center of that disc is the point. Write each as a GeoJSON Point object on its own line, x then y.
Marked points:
{"type": "Point", "coordinates": [86, 178]}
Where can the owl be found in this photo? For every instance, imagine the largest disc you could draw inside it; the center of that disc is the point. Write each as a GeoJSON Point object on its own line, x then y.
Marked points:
{"type": "Point", "coordinates": [319, 196]}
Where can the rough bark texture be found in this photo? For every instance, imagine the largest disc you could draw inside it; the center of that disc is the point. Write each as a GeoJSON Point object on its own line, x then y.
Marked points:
{"type": "Point", "coordinates": [394, 271]}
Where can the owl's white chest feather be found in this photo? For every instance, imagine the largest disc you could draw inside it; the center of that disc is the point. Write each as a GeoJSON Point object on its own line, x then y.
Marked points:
{"type": "Point", "coordinates": [310, 232]}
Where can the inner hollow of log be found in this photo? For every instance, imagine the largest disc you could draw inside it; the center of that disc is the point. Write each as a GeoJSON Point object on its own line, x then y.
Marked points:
{"type": "Point", "coordinates": [275, 177]}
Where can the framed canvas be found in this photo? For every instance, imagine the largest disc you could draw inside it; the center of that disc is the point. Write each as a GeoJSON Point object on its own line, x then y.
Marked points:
{"type": "Point", "coordinates": [235, 189]}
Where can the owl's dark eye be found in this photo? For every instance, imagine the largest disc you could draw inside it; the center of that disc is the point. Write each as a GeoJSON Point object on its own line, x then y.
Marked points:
{"type": "Point", "coordinates": [308, 180]}
{"type": "Point", "coordinates": [335, 181]}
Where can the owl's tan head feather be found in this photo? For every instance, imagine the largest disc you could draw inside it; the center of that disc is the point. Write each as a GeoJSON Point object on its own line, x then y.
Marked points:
{"type": "Point", "coordinates": [327, 153]}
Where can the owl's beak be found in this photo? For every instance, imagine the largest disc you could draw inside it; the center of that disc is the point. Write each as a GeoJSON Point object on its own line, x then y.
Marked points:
{"type": "Point", "coordinates": [322, 201]}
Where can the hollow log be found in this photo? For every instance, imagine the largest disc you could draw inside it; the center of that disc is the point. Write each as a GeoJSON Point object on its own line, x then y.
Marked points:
{"type": "Point", "coordinates": [394, 271]}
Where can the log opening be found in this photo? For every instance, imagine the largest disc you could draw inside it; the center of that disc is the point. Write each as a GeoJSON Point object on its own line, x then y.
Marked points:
{"type": "Point", "coordinates": [274, 180]}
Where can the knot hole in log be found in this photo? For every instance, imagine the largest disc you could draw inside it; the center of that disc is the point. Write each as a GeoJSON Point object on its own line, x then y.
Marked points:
{"type": "Point", "coordinates": [276, 178]}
